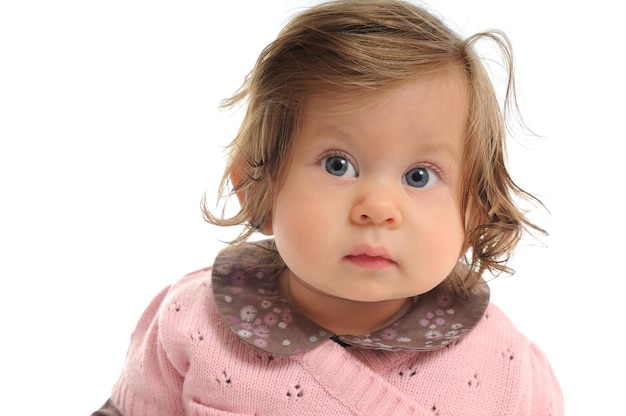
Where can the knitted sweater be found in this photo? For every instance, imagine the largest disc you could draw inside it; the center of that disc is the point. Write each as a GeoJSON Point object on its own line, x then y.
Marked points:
{"type": "Point", "coordinates": [191, 355]}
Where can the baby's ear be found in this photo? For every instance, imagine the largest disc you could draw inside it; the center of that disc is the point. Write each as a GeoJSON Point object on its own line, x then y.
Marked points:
{"type": "Point", "coordinates": [237, 174]}
{"type": "Point", "coordinates": [266, 227]}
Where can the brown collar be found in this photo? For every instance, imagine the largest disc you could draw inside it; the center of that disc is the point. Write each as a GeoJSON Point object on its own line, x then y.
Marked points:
{"type": "Point", "coordinates": [246, 292]}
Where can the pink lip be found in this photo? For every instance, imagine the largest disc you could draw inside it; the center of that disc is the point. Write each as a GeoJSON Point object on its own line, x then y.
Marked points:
{"type": "Point", "coordinates": [370, 257]}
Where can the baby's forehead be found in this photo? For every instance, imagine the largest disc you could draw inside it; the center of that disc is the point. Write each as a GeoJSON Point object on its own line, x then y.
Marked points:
{"type": "Point", "coordinates": [339, 103]}
{"type": "Point", "coordinates": [349, 99]}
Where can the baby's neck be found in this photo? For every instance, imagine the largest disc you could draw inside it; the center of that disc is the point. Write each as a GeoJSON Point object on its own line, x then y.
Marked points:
{"type": "Point", "coordinates": [338, 315]}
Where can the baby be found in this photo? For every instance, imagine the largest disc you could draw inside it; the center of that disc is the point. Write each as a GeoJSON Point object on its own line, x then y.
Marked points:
{"type": "Point", "coordinates": [372, 150]}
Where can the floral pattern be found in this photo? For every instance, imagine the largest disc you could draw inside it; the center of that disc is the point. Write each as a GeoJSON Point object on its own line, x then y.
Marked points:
{"type": "Point", "coordinates": [247, 296]}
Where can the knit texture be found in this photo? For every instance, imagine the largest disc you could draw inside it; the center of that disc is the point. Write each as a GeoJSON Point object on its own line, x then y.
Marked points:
{"type": "Point", "coordinates": [183, 360]}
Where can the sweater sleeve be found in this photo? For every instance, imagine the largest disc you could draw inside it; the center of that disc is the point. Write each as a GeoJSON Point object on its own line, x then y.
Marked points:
{"type": "Point", "coordinates": [524, 383]}
{"type": "Point", "coordinates": [547, 397]}
{"type": "Point", "coordinates": [150, 384]}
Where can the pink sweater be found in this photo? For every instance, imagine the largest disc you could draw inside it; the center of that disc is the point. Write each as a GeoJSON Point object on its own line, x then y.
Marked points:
{"type": "Point", "coordinates": [186, 358]}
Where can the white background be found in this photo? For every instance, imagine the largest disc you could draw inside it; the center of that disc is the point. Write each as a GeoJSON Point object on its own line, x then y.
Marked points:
{"type": "Point", "coordinates": [110, 134]}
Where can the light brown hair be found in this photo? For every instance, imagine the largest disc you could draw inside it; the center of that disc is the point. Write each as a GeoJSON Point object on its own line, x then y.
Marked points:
{"type": "Point", "coordinates": [361, 48]}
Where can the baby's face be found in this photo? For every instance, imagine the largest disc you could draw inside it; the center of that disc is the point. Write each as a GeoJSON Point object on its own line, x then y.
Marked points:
{"type": "Point", "coordinates": [369, 209]}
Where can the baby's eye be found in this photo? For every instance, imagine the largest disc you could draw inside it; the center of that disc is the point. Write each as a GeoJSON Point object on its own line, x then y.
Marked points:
{"type": "Point", "coordinates": [339, 166]}
{"type": "Point", "coordinates": [421, 177]}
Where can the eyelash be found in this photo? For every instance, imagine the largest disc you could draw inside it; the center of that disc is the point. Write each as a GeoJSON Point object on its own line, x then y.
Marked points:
{"type": "Point", "coordinates": [430, 166]}
{"type": "Point", "coordinates": [336, 152]}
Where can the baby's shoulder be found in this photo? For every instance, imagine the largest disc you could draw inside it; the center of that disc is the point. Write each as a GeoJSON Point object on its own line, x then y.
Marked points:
{"type": "Point", "coordinates": [496, 331]}
{"type": "Point", "coordinates": [192, 287]}
{"type": "Point", "coordinates": [498, 345]}
{"type": "Point", "coordinates": [514, 356]}
{"type": "Point", "coordinates": [189, 295]}
{"type": "Point", "coordinates": [187, 307]}
{"type": "Point", "coordinates": [496, 319]}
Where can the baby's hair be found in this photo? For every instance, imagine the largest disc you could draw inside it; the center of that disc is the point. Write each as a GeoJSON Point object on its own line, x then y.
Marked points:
{"type": "Point", "coordinates": [355, 50]}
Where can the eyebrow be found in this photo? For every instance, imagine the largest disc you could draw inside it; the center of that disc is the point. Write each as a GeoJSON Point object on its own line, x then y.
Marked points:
{"type": "Point", "coordinates": [430, 145]}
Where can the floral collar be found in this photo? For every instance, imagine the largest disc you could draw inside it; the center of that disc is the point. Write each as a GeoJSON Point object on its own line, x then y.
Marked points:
{"type": "Point", "coordinates": [246, 292]}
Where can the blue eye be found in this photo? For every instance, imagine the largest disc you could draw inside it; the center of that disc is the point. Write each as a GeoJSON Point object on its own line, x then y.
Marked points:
{"type": "Point", "coordinates": [420, 178]}
{"type": "Point", "coordinates": [339, 166]}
